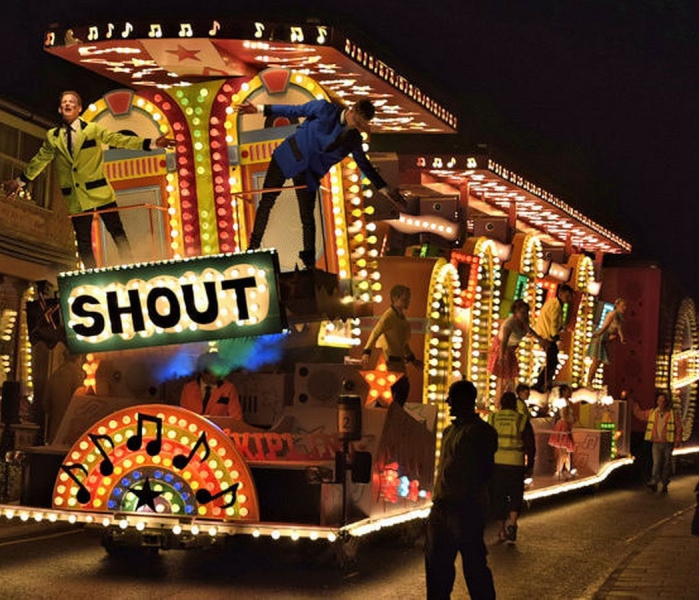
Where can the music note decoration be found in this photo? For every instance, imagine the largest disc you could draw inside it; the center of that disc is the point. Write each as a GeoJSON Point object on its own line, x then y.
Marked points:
{"type": "Point", "coordinates": [157, 459]}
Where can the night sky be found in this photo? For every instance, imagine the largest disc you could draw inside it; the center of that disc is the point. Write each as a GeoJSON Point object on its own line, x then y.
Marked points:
{"type": "Point", "coordinates": [595, 100]}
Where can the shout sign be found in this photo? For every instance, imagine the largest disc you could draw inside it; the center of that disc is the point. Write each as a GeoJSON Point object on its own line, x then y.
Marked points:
{"type": "Point", "coordinates": [172, 302]}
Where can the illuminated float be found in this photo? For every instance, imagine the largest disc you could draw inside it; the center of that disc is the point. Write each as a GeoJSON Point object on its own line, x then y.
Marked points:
{"type": "Point", "coordinates": [315, 458]}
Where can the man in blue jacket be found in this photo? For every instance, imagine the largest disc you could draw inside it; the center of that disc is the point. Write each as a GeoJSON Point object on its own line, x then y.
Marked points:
{"type": "Point", "coordinates": [329, 133]}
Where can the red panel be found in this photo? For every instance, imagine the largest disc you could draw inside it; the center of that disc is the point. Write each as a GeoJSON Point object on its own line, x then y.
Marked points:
{"type": "Point", "coordinates": [633, 364]}
{"type": "Point", "coordinates": [119, 102]}
{"type": "Point", "coordinates": [275, 80]}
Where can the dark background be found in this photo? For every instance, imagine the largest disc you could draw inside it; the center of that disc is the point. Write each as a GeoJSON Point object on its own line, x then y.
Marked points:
{"type": "Point", "coordinates": [595, 100]}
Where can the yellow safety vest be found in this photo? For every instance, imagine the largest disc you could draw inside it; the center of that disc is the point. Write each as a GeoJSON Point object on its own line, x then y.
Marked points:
{"type": "Point", "coordinates": [510, 425]}
{"type": "Point", "coordinates": [669, 426]}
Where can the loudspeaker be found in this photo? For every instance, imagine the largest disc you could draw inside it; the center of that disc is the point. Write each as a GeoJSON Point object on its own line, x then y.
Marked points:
{"type": "Point", "coordinates": [322, 384]}
{"type": "Point", "coordinates": [446, 207]}
{"type": "Point", "coordinates": [495, 228]}
{"type": "Point", "coordinates": [553, 254]}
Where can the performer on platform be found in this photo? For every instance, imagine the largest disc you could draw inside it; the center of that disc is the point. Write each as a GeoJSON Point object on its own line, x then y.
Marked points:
{"type": "Point", "coordinates": [75, 146]}
{"type": "Point", "coordinates": [611, 330]}
{"type": "Point", "coordinates": [502, 360]}
{"type": "Point", "coordinates": [210, 395]}
{"type": "Point", "coordinates": [561, 439]}
{"type": "Point", "coordinates": [329, 133]}
{"type": "Point", "coordinates": [392, 334]}
{"type": "Point", "coordinates": [548, 327]}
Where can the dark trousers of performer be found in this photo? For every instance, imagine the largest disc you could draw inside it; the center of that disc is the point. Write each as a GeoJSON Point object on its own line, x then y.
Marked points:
{"type": "Point", "coordinates": [400, 390]}
{"type": "Point", "coordinates": [507, 490]}
{"type": "Point", "coordinates": [451, 531]}
{"type": "Point", "coordinates": [544, 382]}
{"type": "Point", "coordinates": [82, 225]}
{"type": "Point", "coordinates": [307, 203]}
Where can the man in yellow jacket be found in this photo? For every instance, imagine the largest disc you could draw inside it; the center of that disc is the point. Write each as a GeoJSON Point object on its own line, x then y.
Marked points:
{"type": "Point", "coordinates": [75, 148]}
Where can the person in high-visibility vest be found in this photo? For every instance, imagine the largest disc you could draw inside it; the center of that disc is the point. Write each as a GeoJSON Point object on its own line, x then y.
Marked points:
{"type": "Point", "coordinates": [664, 431]}
{"type": "Point", "coordinates": [514, 462]}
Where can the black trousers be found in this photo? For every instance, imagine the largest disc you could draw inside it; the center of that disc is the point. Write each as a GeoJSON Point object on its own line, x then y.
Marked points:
{"type": "Point", "coordinates": [307, 203]}
{"type": "Point", "coordinates": [544, 381]}
{"type": "Point", "coordinates": [449, 532]}
{"type": "Point", "coordinates": [82, 225]}
{"type": "Point", "coordinates": [400, 390]}
{"type": "Point", "coordinates": [507, 490]}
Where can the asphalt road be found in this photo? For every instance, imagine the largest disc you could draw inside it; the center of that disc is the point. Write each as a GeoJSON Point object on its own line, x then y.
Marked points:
{"type": "Point", "coordinates": [566, 549]}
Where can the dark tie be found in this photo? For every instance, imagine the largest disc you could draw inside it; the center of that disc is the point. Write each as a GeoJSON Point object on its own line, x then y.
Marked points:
{"type": "Point", "coordinates": [207, 396]}
{"type": "Point", "coordinates": [69, 138]}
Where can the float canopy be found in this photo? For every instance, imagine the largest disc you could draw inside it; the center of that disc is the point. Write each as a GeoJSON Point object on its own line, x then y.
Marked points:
{"type": "Point", "coordinates": [167, 54]}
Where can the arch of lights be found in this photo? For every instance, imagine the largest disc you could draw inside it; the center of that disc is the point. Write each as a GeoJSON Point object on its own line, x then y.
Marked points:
{"type": "Point", "coordinates": [482, 314]}
{"type": "Point", "coordinates": [684, 365]}
{"type": "Point", "coordinates": [443, 343]}
{"type": "Point", "coordinates": [160, 111]}
{"type": "Point", "coordinates": [583, 276]}
{"type": "Point", "coordinates": [531, 267]}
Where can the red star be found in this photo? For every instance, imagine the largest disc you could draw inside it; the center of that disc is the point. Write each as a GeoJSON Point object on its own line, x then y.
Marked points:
{"type": "Point", "coordinates": [183, 53]}
{"type": "Point", "coordinates": [380, 381]}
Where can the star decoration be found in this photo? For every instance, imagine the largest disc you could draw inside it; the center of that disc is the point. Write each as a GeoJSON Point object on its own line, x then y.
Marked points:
{"type": "Point", "coordinates": [183, 54]}
{"type": "Point", "coordinates": [380, 380]}
{"type": "Point", "coordinates": [146, 495]}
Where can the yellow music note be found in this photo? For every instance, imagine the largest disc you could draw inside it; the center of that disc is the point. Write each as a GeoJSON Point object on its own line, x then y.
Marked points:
{"type": "Point", "coordinates": [110, 29]}
{"type": "Point", "coordinates": [185, 30]}
{"type": "Point", "coordinates": [127, 30]}
{"type": "Point", "coordinates": [259, 29]}
{"type": "Point", "coordinates": [322, 34]}
{"type": "Point", "coordinates": [296, 34]}
{"type": "Point", "coordinates": [215, 26]}
{"type": "Point", "coordinates": [180, 461]}
{"type": "Point", "coordinates": [92, 33]}
{"type": "Point", "coordinates": [155, 31]}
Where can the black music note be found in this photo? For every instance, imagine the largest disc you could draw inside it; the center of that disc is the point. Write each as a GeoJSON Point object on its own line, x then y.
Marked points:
{"type": "Point", "coordinates": [83, 496]}
{"type": "Point", "coordinates": [152, 447]}
{"type": "Point", "coordinates": [204, 496]}
{"type": "Point", "coordinates": [106, 466]}
{"type": "Point", "coordinates": [181, 461]}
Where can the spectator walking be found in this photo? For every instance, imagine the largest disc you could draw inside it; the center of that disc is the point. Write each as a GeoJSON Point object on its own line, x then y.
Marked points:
{"type": "Point", "coordinates": [457, 518]}
{"type": "Point", "coordinates": [664, 432]}
{"type": "Point", "coordinates": [514, 461]}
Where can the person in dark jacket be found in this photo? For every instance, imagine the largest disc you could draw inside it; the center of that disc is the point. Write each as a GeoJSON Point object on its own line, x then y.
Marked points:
{"type": "Point", "coordinates": [329, 133]}
{"type": "Point", "coordinates": [457, 519]}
